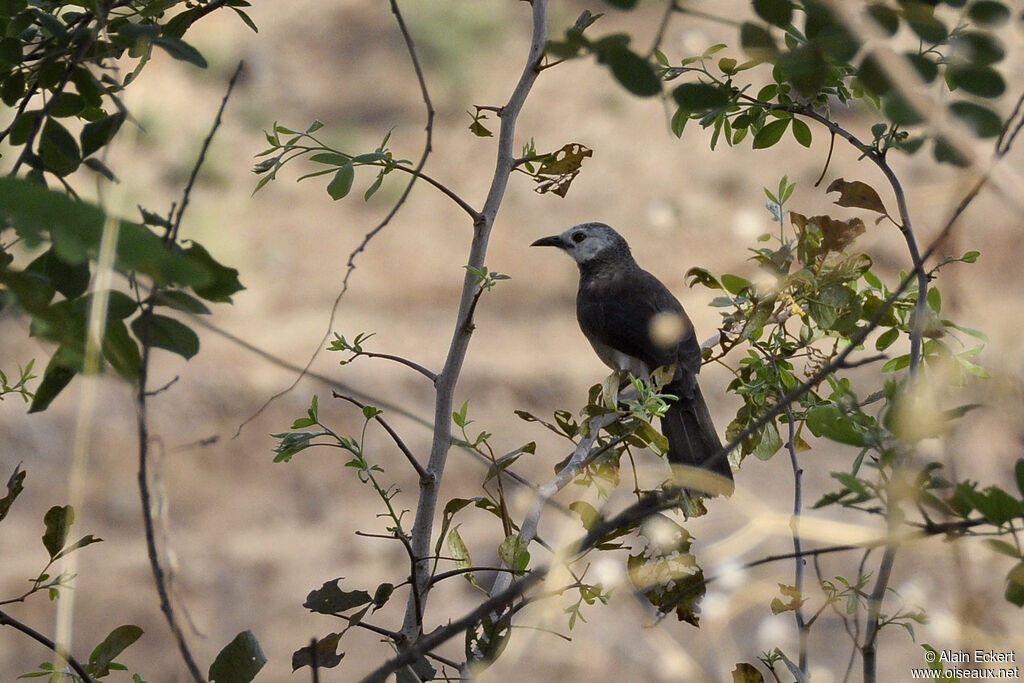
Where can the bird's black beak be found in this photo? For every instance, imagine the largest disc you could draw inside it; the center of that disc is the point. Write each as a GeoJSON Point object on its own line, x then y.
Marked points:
{"type": "Point", "coordinates": [553, 241]}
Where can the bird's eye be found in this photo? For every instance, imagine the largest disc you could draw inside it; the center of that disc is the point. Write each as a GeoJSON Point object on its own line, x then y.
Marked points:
{"type": "Point", "coordinates": [578, 237]}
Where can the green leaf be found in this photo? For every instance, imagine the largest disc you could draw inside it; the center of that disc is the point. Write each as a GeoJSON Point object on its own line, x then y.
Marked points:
{"type": "Point", "coordinates": [926, 68]}
{"type": "Point", "coordinates": [179, 49]}
{"type": "Point", "coordinates": [988, 12]}
{"type": "Point", "coordinates": [76, 229]}
{"type": "Point", "coordinates": [420, 670]}
{"type": "Point", "coordinates": [67, 104]}
{"type": "Point", "coordinates": [331, 158]}
{"type": "Point", "coordinates": [734, 284]}
{"type": "Point", "coordinates": [88, 539]}
{"type": "Point", "coordinates": [885, 17]}
{"type": "Point", "coordinates": [1015, 585]}
{"type": "Point", "coordinates": [701, 97]}
{"type": "Point", "coordinates": [896, 364]}
{"type": "Point", "coordinates": [341, 184]}
{"type": "Point", "coordinates": [768, 442]}
{"type": "Point", "coordinates": [239, 661]}
{"type": "Point", "coordinates": [776, 12]}
{"type": "Point", "coordinates": [181, 301]}
{"type": "Point", "coordinates": [1018, 470]}
{"type": "Point", "coordinates": [900, 111]}
{"type": "Point", "coordinates": [221, 281]}
{"type": "Point", "coordinates": [934, 299]}
{"type": "Point", "coordinates": [995, 504]}
{"type": "Point", "coordinates": [924, 23]}
{"type": "Point", "coordinates": [61, 369]}
{"type": "Point", "coordinates": [826, 420]}
{"type": "Point", "coordinates": [70, 279]}
{"type": "Point", "coordinates": [96, 134]}
{"type": "Point", "coordinates": [292, 443]}
{"type": "Point", "coordinates": [702, 276]}
{"type": "Point", "coordinates": [802, 132]}
{"type": "Point", "coordinates": [23, 126]}
{"type": "Point", "coordinates": [1003, 548]}
{"type": "Point", "coordinates": [946, 153]}
{"type": "Point", "coordinates": [632, 71]}
{"type": "Point", "coordinates": [114, 644]}
{"type": "Point", "coordinates": [873, 76]}
{"type": "Point", "coordinates": [886, 339]}
{"type": "Point", "coordinates": [983, 81]}
{"type": "Point", "coordinates": [59, 149]}
{"type": "Point", "coordinates": [770, 133]}
{"type": "Point", "coordinates": [167, 333]}
{"type": "Point", "coordinates": [982, 121]}
{"type": "Point", "coordinates": [121, 351]}
{"type": "Point", "coordinates": [331, 599]}
{"type": "Point", "coordinates": [980, 48]}
{"type": "Point", "coordinates": [450, 509]}
{"type": "Point", "coordinates": [15, 485]}
{"type": "Point", "coordinates": [757, 42]}
{"type": "Point", "coordinates": [58, 521]}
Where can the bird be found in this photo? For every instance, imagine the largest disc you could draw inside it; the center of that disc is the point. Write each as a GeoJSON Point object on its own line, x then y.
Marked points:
{"type": "Point", "coordinates": [635, 324]}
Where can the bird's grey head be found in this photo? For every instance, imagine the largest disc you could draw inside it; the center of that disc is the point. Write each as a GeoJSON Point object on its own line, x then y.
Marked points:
{"type": "Point", "coordinates": [587, 242]}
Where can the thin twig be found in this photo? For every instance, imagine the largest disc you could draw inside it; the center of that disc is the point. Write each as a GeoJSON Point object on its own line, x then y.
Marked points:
{"type": "Point", "coordinates": [391, 432]}
{"type": "Point", "coordinates": [399, 359]}
{"type": "Point", "coordinates": [659, 36]}
{"type": "Point", "coordinates": [802, 625]}
{"type": "Point", "coordinates": [7, 620]}
{"type": "Point", "coordinates": [582, 455]}
{"type": "Point", "coordinates": [172, 236]}
{"type": "Point", "coordinates": [142, 419]}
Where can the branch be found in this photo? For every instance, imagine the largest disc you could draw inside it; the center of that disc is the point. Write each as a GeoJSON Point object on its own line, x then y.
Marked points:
{"type": "Point", "coordinates": [449, 375]}
{"type": "Point", "coordinates": [444, 189]}
{"type": "Point", "coordinates": [399, 359]}
{"type": "Point", "coordinates": [583, 455]}
{"type": "Point", "coordinates": [391, 432]}
{"type": "Point", "coordinates": [7, 620]}
{"type": "Point", "coordinates": [172, 236]}
{"type": "Point", "coordinates": [142, 424]}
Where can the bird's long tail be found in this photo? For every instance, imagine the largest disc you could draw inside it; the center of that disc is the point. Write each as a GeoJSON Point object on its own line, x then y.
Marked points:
{"type": "Point", "coordinates": [693, 441]}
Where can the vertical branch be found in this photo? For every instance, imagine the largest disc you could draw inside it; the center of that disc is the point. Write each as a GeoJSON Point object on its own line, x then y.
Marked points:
{"type": "Point", "coordinates": [141, 409]}
{"type": "Point", "coordinates": [449, 375]}
{"type": "Point", "coordinates": [147, 511]}
{"type": "Point", "coordinates": [800, 562]}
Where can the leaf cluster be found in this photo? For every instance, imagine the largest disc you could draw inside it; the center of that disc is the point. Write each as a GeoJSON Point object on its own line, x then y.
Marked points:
{"type": "Point", "coordinates": [817, 62]}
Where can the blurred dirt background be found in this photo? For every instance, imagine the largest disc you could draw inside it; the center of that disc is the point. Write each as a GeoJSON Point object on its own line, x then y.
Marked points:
{"type": "Point", "coordinates": [247, 539]}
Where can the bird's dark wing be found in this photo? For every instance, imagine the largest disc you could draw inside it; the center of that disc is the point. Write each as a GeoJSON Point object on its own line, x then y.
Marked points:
{"type": "Point", "coordinates": [616, 309]}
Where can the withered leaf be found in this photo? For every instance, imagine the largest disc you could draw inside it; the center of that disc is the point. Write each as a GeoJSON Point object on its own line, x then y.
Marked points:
{"type": "Point", "coordinates": [857, 194]}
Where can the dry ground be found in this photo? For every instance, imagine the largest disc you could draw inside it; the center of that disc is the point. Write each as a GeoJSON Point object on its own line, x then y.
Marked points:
{"type": "Point", "coordinates": [248, 539]}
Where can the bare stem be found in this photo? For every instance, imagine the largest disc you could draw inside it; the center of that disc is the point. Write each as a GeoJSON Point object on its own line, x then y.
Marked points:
{"type": "Point", "coordinates": [449, 375]}
{"type": "Point", "coordinates": [391, 432]}
{"type": "Point", "coordinates": [404, 361]}
{"type": "Point", "coordinates": [176, 223]}
{"type": "Point", "coordinates": [7, 620]}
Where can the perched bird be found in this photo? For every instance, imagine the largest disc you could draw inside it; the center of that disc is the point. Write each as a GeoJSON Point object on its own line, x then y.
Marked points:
{"type": "Point", "coordinates": [635, 324]}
